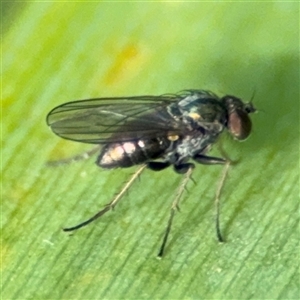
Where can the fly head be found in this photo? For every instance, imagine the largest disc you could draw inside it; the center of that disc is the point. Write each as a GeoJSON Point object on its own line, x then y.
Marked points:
{"type": "Point", "coordinates": [239, 124]}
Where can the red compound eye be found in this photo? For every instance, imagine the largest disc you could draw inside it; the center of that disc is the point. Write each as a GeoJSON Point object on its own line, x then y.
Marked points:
{"type": "Point", "coordinates": [239, 124]}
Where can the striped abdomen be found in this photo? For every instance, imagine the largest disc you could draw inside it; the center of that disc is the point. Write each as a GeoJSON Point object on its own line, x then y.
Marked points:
{"type": "Point", "coordinates": [127, 154]}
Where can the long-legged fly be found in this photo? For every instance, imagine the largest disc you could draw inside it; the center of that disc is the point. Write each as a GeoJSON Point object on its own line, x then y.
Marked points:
{"type": "Point", "coordinates": [154, 132]}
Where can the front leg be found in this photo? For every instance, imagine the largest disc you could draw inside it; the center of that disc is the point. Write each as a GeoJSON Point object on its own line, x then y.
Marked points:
{"type": "Point", "coordinates": [209, 160]}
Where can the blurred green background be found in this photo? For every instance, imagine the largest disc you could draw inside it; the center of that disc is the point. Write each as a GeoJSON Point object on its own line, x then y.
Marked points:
{"type": "Point", "coordinates": [54, 52]}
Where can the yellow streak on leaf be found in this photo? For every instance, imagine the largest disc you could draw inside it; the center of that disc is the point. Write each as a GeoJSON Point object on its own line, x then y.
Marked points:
{"type": "Point", "coordinates": [129, 60]}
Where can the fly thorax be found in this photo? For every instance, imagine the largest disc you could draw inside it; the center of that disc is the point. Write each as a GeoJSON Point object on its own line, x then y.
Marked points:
{"type": "Point", "coordinates": [192, 144]}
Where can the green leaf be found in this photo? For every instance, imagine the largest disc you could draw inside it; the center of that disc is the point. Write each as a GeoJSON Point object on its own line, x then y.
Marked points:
{"type": "Point", "coordinates": [54, 52]}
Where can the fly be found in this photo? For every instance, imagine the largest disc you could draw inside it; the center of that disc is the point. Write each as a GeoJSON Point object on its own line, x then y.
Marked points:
{"type": "Point", "coordinates": [154, 132]}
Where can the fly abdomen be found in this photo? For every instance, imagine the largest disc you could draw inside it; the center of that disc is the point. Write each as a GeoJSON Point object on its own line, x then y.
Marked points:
{"type": "Point", "coordinates": [127, 154]}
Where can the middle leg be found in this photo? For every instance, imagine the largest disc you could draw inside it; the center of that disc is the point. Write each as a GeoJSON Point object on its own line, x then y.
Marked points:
{"type": "Point", "coordinates": [175, 206]}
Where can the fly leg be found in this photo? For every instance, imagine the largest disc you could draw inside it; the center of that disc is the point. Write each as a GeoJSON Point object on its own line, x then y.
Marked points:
{"type": "Point", "coordinates": [112, 204]}
{"type": "Point", "coordinates": [217, 200]}
{"type": "Point", "coordinates": [210, 160]}
{"type": "Point", "coordinates": [82, 156]}
{"type": "Point", "coordinates": [157, 165]}
{"type": "Point", "coordinates": [188, 168]}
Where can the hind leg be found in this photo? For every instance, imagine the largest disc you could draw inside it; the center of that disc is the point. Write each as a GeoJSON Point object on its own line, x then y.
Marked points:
{"type": "Point", "coordinates": [112, 204]}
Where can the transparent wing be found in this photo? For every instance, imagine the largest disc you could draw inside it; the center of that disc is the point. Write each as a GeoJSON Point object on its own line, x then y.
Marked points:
{"type": "Point", "coordinates": [104, 120]}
